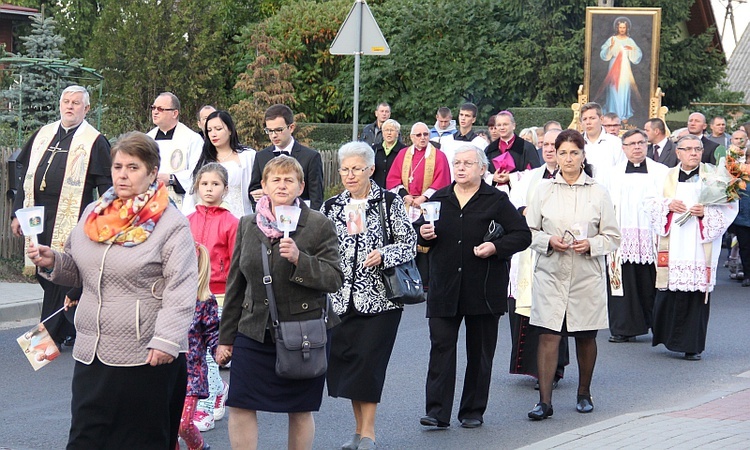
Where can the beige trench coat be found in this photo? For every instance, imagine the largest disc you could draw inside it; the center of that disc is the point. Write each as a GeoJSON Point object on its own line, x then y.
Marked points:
{"type": "Point", "coordinates": [568, 285]}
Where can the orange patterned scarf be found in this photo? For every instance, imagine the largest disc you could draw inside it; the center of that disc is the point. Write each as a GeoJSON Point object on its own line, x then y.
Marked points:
{"type": "Point", "coordinates": [127, 222]}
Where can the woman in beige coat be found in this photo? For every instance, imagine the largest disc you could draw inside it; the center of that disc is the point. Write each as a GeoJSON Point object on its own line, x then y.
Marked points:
{"type": "Point", "coordinates": [573, 227]}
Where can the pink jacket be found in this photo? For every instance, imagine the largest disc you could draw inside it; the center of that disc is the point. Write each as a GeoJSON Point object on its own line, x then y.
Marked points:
{"type": "Point", "coordinates": [216, 228]}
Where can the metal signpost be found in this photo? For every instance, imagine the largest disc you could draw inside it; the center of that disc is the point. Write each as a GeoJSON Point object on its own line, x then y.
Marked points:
{"type": "Point", "coordinates": [359, 35]}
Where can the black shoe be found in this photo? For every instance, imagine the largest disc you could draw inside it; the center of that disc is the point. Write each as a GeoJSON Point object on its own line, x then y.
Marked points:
{"type": "Point", "coordinates": [693, 356]}
{"type": "Point", "coordinates": [471, 423]}
{"type": "Point", "coordinates": [430, 421]}
{"type": "Point", "coordinates": [746, 282]}
{"type": "Point", "coordinates": [541, 411]}
{"type": "Point", "coordinates": [584, 404]}
{"type": "Point", "coordinates": [619, 338]}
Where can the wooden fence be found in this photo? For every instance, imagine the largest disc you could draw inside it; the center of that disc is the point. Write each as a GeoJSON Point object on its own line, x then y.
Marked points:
{"type": "Point", "coordinates": [10, 246]}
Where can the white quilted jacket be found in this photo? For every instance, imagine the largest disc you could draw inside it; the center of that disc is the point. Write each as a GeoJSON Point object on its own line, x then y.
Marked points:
{"type": "Point", "coordinates": [134, 298]}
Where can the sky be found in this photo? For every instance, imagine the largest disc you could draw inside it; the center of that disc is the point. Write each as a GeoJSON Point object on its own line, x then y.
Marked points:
{"type": "Point", "coordinates": [741, 20]}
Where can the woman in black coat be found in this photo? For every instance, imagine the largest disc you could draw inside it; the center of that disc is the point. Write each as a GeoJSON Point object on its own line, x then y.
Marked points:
{"type": "Point", "coordinates": [468, 282]}
{"type": "Point", "coordinates": [386, 151]}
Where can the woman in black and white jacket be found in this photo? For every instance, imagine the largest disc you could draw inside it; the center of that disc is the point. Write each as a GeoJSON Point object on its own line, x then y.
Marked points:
{"type": "Point", "coordinates": [361, 345]}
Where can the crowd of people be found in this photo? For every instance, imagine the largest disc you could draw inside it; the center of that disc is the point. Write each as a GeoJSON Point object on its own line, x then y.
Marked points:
{"type": "Point", "coordinates": [184, 261]}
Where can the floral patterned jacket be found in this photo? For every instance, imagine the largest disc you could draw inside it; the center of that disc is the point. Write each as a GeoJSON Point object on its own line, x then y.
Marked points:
{"type": "Point", "coordinates": [363, 287]}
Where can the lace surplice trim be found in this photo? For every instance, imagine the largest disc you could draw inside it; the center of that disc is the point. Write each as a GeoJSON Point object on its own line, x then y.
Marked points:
{"type": "Point", "coordinates": [689, 276]}
{"type": "Point", "coordinates": [658, 211]}
{"type": "Point", "coordinates": [714, 223]}
{"type": "Point", "coordinates": [637, 246]}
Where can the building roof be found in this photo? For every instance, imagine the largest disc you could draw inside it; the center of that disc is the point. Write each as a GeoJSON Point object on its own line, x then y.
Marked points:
{"type": "Point", "coordinates": [738, 65]}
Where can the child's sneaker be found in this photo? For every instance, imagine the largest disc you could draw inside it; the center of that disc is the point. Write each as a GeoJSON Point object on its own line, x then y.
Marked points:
{"type": "Point", "coordinates": [221, 401]}
{"type": "Point", "coordinates": [203, 420]}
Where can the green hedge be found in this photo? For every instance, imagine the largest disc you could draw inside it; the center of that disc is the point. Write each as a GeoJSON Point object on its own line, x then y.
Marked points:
{"type": "Point", "coordinates": [330, 136]}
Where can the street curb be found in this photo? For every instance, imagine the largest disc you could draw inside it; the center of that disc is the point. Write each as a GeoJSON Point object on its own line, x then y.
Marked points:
{"type": "Point", "coordinates": [21, 310]}
{"type": "Point", "coordinates": [571, 436]}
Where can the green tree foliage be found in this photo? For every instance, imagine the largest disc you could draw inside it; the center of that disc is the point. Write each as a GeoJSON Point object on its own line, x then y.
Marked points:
{"type": "Point", "coordinates": [144, 48]}
{"type": "Point", "coordinates": [36, 91]}
{"type": "Point", "coordinates": [510, 53]}
{"type": "Point", "coordinates": [77, 19]}
{"type": "Point", "coordinates": [303, 32]}
{"type": "Point", "coordinates": [689, 66]}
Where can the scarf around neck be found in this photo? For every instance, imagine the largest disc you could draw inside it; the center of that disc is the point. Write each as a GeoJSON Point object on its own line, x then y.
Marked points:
{"type": "Point", "coordinates": [266, 220]}
{"type": "Point", "coordinates": [127, 222]}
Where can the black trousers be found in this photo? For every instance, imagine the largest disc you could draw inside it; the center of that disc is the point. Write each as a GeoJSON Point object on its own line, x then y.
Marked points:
{"type": "Point", "coordinates": [127, 407]}
{"type": "Point", "coordinates": [481, 340]}
{"type": "Point", "coordinates": [743, 240]}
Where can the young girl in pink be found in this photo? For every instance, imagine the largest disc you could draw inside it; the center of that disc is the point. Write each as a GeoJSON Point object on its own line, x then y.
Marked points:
{"type": "Point", "coordinates": [215, 227]}
{"type": "Point", "coordinates": [203, 335]}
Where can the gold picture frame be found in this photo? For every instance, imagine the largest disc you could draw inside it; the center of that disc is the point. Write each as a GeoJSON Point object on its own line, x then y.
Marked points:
{"type": "Point", "coordinates": [621, 63]}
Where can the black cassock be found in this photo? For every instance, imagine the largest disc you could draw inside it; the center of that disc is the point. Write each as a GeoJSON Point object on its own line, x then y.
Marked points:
{"type": "Point", "coordinates": [98, 177]}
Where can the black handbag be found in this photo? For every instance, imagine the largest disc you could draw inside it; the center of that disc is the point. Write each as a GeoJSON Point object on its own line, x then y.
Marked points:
{"type": "Point", "coordinates": [403, 284]}
{"type": "Point", "coordinates": [300, 345]}
{"type": "Point", "coordinates": [494, 232]}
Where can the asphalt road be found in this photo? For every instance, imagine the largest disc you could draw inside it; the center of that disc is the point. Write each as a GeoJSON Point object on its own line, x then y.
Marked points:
{"type": "Point", "coordinates": [628, 378]}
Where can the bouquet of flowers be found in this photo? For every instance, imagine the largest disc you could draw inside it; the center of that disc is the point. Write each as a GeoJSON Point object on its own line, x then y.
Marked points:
{"type": "Point", "coordinates": [736, 166]}
{"type": "Point", "coordinates": [719, 186]}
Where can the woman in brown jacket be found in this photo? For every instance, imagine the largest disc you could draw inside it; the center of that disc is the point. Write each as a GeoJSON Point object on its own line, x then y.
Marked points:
{"type": "Point", "coordinates": [304, 268]}
{"type": "Point", "coordinates": [133, 254]}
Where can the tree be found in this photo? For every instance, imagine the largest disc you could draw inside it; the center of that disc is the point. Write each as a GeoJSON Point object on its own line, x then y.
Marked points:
{"type": "Point", "coordinates": [302, 34]}
{"type": "Point", "coordinates": [36, 95]}
{"type": "Point", "coordinates": [171, 45]}
{"type": "Point", "coordinates": [510, 53]}
{"type": "Point", "coordinates": [266, 82]}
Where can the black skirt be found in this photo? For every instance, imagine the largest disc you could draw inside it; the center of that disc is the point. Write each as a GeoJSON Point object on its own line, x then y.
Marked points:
{"type": "Point", "coordinates": [127, 407]}
{"type": "Point", "coordinates": [255, 386]}
{"type": "Point", "coordinates": [360, 350]}
{"type": "Point", "coordinates": [681, 321]}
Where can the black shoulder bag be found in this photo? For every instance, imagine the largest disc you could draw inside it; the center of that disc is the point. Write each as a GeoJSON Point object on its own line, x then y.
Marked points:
{"type": "Point", "coordinates": [300, 345]}
{"type": "Point", "coordinates": [403, 284]}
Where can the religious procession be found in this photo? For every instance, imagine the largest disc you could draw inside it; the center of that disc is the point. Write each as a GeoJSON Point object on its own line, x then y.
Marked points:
{"type": "Point", "coordinates": [200, 253]}
{"type": "Point", "coordinates": [172, 256]}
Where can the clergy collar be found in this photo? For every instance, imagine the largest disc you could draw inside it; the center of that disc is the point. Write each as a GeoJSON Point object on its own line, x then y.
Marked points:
{"type": "Point", "coordinates": [636, 167]}
{"type": "Point", "coordinates": [162, 136]}
{"type": "Point", "coordinates": [685, 176]}
{"type": "Point", "coordinates": [70, 130]}
{"type": "Point", "coordinates": [547, 174]}
{"type": "Point", "coordinates": [287, 149]}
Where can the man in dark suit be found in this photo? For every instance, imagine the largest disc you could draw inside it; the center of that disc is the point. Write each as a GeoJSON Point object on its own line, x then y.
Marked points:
{"type": "Point", "coordinates": [660, 147]}
{"type": "Point", "coordinates": [697, 126]}
{"type": "Point", "coordinates": [279, 120]}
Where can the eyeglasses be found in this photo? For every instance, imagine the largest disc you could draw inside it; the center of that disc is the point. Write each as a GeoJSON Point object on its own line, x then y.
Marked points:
{"type": "Point", "coordinates": [354, 171]}
{"type": "Point", "coordinates": [275, 130]}
{"type": "Point", "coordinates": [467, 164]}
{"type": "Point", "coordinates": [160, 109]}
{"type": "Point", "coordinates": [421, 135]}
{"type": "Point", "coordinates": [633, 144]}
{"type": "Point", "coordinates": [691, 149]}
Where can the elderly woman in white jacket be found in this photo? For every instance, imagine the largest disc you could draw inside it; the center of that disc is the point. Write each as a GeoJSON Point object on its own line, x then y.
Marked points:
{"type": "Point", "coordinates": [573, 227]}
